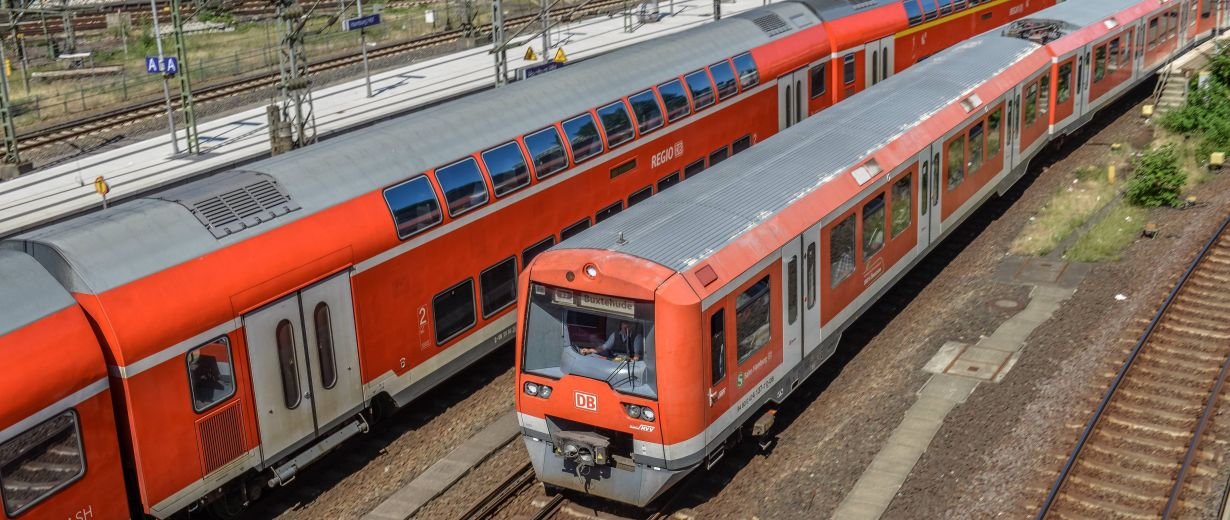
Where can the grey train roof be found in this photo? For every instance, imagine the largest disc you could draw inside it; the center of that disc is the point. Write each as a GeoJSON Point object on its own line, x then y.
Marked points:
{"type": "Point", "coordinates": [1084, 12]}
{"type": "Point", "coordinates": [833, 9]}
{"type": "Point", "coordinates": [29, 293]}
{"type": "Point", "coordinates": [689, 222]}
{"type": "Point", "coordinates": [109, 248]}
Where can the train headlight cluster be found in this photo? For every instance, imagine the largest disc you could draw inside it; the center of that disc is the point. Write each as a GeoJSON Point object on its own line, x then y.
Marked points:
{"type": "Point", "coordinates": [536, 390]}
{"type": "Point", "coordinates": [643, 413]}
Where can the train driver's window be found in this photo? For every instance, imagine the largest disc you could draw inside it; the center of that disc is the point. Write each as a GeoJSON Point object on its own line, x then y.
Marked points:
{"type": "Point", "coordinates": [810, 260]}
{"type": "Point", "coordinates": [701, 89]}
{"type": "Point", "coordinates": [414, 206]}
{"type": "Point", "coordinates": [752, 323]}
{"type": "Point", "coordinates": [547, 152]}
{"type": "Point", "coordinates": [841, 251]}
{"type": "Point", "coordinates": [717, 346]}
{"type": "Point", "coordinates": [463, 186]}
{"type": "Point", "coordinates": [745, 66]}
{"type": "Point", "coordinates": [453, 311]}
{"type": "Point", "coordinates": [903, 205]}
{"type": "Point", "coordinates": [616, 123]}
{"type": "Point", "coordinates": [675, 99]}
{"type": "Point", "coordinates": [583, 137]}
{"type": "Point", "coordinates": [40, 461]}
{"type": "Point", "coordinates": [724, 76]}
{"type": "Point", "coordinates": [211, 375]}
{"type": "Point", "coordinates": [647, 111]}
{"type": "Point", "coordinates": [873, 226]}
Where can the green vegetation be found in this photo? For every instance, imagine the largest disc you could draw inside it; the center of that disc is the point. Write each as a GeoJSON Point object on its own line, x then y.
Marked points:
{"type": "Point", "coordinates": [1067, 210]}
{"type": "Point", "coordinates": [1158, 180]}
{"type": "Point", "coordinates": [1206, 115]}
{"type": "Point", "coordinates": [1108, 238]}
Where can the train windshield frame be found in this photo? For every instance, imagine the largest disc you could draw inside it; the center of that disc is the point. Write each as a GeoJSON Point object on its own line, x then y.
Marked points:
{"type": "Point", "coordinates": [595, 336]}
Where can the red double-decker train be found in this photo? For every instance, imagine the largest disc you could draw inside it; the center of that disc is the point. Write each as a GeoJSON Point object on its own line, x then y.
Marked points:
{"type": "Point", "coordinates": [251, 321]}
{"type": "Point", "coordinates": [649, 343]}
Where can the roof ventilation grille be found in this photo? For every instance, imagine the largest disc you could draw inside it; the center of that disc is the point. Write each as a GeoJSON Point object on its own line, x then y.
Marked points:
{"type": "Point", "coordinates": [771, 24]}
{"type": "Point", "coordinates": [234, 202]}
{"type": "Point", "coordinates": [1037, 30]}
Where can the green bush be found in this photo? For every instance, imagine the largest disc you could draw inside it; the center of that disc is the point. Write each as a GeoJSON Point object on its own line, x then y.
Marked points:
{"type": "Point", "coordinates": [1206, 114]}
{"type": "Point", "coordinates": [1158, 180]}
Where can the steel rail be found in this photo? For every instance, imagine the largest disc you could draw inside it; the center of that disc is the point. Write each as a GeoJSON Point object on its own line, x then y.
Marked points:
{"type": "Point", "coordinates": [510, 487]}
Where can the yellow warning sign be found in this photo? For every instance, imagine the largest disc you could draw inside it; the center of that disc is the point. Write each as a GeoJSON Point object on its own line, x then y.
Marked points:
{"type": "Point", "coordinates": [560, 57]}
{"type": "Point", "coordinates": [529, 54]}
{"type": "Point", "coordinates": [101, 186]}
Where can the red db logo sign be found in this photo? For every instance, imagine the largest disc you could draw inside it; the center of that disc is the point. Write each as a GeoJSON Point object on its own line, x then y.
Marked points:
{"type": "Point", "coordinates": [586, 401]}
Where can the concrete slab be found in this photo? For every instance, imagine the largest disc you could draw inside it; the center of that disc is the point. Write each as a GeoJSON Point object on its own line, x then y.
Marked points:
{"type": "Point", "coordinates": [859, 511]}
{"type": "Point", "coordinates": [979, 354]}
{"type": "Point", "coordinates": [947, 389]}
{"type": "Point", "coordinates": [974, 369]}
{"type": "Point", "coordinates": [944, 358]}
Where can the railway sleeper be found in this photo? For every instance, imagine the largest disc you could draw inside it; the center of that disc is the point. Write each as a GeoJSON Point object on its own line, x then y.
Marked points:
{"type": "Point", "coordinates": [1152, 426]}
{"type": "Point", "coordinates": [1200, 309]}
{"type": "Point", "coordinates": [1160, 414]}
{"type": "Point", "coordinates": [1143, 441]}
{"type": "Point", "coordinates": [1184, 350]}
{"type": "Point", "coordinates": [1129, 490]}
{"type": "Point", "coordinates": [1146, 401]}
{"type": "Point", "coordinates": [1085, 503]}
{"type": "Point", "coordinates": [1118, 456]}
{"type": "Point", "coordinates": [1199, 336]}
{"type": "Point", "coordinates": [1196, 322]}
{"type": "Point", "coordinates": [1212, 286]}
{"type": "Point", "coordinates": [1162, 387]}
{"type": "Point", "coordinates": [1193, 373]}
{"type": "Point", "coordinates": [1147, 475]}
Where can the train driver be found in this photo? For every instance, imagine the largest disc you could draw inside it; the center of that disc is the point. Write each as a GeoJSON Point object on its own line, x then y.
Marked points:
{"type": "Point", "coordinates": [625, 342]}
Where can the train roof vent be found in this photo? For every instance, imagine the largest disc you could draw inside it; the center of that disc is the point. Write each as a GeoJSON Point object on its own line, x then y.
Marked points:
{"type": "Point", "coordinates": [1039, 30]}
{"type": "Point", "coordinates": [233, 202]}
{"type": "Point", "coordinates": [771, 24]}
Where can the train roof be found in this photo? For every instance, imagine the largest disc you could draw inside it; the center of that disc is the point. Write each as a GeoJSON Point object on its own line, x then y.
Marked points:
{"type": "Point", "coordinates": [28, 291]}
{"type": "Point", "coordinates": [142, 236]}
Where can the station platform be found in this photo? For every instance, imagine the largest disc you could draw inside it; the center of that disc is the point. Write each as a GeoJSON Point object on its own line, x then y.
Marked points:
{"type": "Point", "coordinates": [68, 188]}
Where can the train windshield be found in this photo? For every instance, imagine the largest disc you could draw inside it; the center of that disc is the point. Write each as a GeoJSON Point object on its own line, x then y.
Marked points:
{"type": "Point", "coordinates": [589, 335]}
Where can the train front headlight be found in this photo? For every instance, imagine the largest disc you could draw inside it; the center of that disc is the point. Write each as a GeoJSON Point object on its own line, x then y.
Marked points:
{"type": "Point", "coordinates": [544, 391]}
{"type": "Point", "coordinates": [634, 411]}
{"type": "Point", "coordinates": [531, 388]}
{"type": "Point", "coordinates": [647, 414]}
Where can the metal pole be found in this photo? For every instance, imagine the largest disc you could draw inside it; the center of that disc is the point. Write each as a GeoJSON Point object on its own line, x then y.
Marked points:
{"type": "Point", "coordinates": [367, 74]}
{"type": "Point", "coordinates": [185, 81]}
{"type": "Point", "coordinates": [546, 29]}
{"type": "Point", "coordinates": [497, 39]}
{"type": "Point", "coordinates": [717, 10]}
{"type": "Point", "coordinates": [166, 82]}
{"type": "Point", "coordinates": [25, 63]}
{"type": "Point", "coordinates": [11, 153]}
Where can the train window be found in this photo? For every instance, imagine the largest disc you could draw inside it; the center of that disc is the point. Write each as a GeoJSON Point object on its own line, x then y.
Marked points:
{"type": "Point", "coordinates": [414, 206]}
{"type": "Point", "coordinates": [1099, 63]}
{"type": "Point", "coordinates": [841, 251]}
{"type": "Point", "coordinates": [583, 137]}
{"type": "Point", "coordinates": [945, 7]}
{"type": "Point", "coordinates": [1063, 84]}
{"type": "Point", "coordinates": [701, 89]}
{"type": "Point", "coordinates": [792, 289]}
{"type": "Point", "coordinates": [609, 211]}
{"type": "Point", "coordinates": [1031, 104]}
{"type": "Point", "coordinates": [40, 461]}
{"type": "Point", "coordinates": [1206, 8]}
{"type": "Point", "coordinates": [211, 374]}
{"type": "Point", "coordinates": [1112, 55]}
{"type": "Point", "coordinates": [818, 77]}
{"type": "Point", "coordinates": [641, 194]}
{"type": "Point", "coordinates": [675, 99]}
{"type": "Point", "coordinates": [903, 205]}
{"type": "Point", "coordinates": [724, 77]}
{"type": "Point", "coordinates": [647, 111]}
{"type": "Point", "coordinates": [288, 364]}
{"type": "Point", "coordinates": [1044, 96]}
{"type": "Point", "coordinates": [498, 286]}
{"type": "Point", "coordinates": [717, 346]}
{"type": "Point", "coordinates": [847, 69]}
{"type": "Point", "coordinates": [914, 12]}
{"type": "Point", "coordinates": [547, 152]}
{"type": "Point", "coordinates": [741, 144]}
{"type": "Point", "coordinates": [956, 162]}
{"type": "Point", "coordinates": [1153, 33]}
{"type": "Point", "coordinates": [924, 187]}
{"type": "Point", "coordinates": [993, 136]}
{"type": "Point", "coordinates": [694, 168]}
{"type": "Point", "coordinates": [668, 181]}
{"type": "Point", "coordinates": [463, 186]}
{"type": "Point", "coordinates": [453, 311]}
{"type": "Point", "coordinates": [873, 226]}
{"type": "Point", "coordinates": [752, 313]}
{"type": "Point", "coordinates": [322, 322]}
{"type": "Point", "coordinates": [976, 146]}
{"type": "Point", "coordinates": [616, 123]}
{"type": "Point", "coordinates": [718, 156]}
{"type": "Point", "coordinates": [572, 230]}
{"type": "Point", "coordinates": [929, 7]}
{"type": "Point", "coordinates": [810, 258]}
{"type": "Point", "coordinates": [534, 250]}
{"type": "Point", "coordinates": [506, 164]}
{"type": "Point", "coordinates": [746, 67]}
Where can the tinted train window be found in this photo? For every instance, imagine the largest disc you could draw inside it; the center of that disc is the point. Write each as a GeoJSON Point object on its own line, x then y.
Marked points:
{"type": "Point", "coordinates": [675, 99]}
{"type": "Point", "coordinates": [945, 7]}
{"type": "Point", "coordinates": [929, 7]}
{"type": "Point", "coordinates": [818, 78]}
{"type": "Point", "coordinates": [211, 375]}
{"type": "Point", "coordinates": [453, 311]}
{"type": "Point", "coordinates": [583, 137]}
{"type": "Point", "coordinates": [810, 280]}
{"type": "Point", "coordinates": [847, 69]}
{"type": "Point", "coordinates": [694, 168]}
{"type": "Point", "coordinates": [913, 12]}
{"type": "Point", "coordinates": [507, 167]}
{"type": "Point", "coordinates": [668, 181]}
{"type": "Point", "coordinates": [956, 162]}
{"type": "Point", "coordinates": [1044, 95]}
{"type": "Point", "coordinates": [574, 229]}
{"type": "Point", "coordinates": [724, 77]}
{"type": "Point", "coordinates": [745, 66]}
{"type": "Point", "coordinates": [975, 149]}
{"type": "Point", "coordinates": [1031, 104]}
{"type": "Point", "coordinates": [647, 111]}
{"type": "Point", "coordinates": [1099, 63]}
{"type": "Point", "coordinates": [547, 151]}
{"type": "Point", "coordinates": [609, 211]}
{"type": "Point", "coordinates": [40, 461]}
{"type": "Point", "coordinates": [463, 186]}
{"type": "Point", "coordinates": [717, 346]}
{"type": "Point", "coordinates": [741, 144]}
{"type": "Point", "coordinates": [701, 89]}
{"type": "Point", "coordinates": [322, 321]}
{"type": "Point", "coordinates": [718, 156]}
{"type": "Point", "coordinates": [752, 312]}
{"type": "Point", "coordinates": [903, 205]}
{"type": "Point", "coordinates": [499, 286]}
{"type": "Point", "coordinates": [873, 226]}
{"type": "Point", "coordinates": [534, 250]}
{"type": "Point", "coordinates": [414, 206]}
{"type": "Point", "coordinates": [616, 123]}
{"type": "Point", "coordinates": [993, 121]}
{"type": "Point", "coordinates": [841, 251]}
{"type": "Point", "coordinates": [288, 364]}
{"type": "Point", "coordinates": [642, 194]}
{"type": "Point", "coordinates": [792, 289]}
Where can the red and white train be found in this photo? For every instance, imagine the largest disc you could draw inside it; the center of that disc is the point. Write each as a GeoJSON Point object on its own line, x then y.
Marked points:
{"type": "Point", "coordinates": [648, 343]}
{"type": "Point", "coordinates": [249, 322]}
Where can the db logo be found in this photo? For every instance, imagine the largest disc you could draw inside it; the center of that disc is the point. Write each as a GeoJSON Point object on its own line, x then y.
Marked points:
{"type": "Point", "coordinates": [586, 401]}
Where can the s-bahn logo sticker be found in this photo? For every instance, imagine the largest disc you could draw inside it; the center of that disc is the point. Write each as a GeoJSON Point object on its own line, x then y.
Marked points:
{"type": "Point", "coordinates": [586, 401]}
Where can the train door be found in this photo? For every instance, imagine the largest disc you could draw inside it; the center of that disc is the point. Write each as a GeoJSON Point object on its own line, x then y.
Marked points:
{"type": "Point", "coordinates": [792, 98]}
{"type": "Point", "coordinates": [878, 55]}
{"type": "Point", "coordinates": [717, 324]}
{"type": "Point", "coordinates": [811, 289]}
{"type": "Point", "coordinates": [1084, 71]}
{"type": "Point", "coordinates": [929, 221]}
{"type": "Point", "coordinates": [304, 364]}
{"type": "Point", "coordinates": [792, 302]}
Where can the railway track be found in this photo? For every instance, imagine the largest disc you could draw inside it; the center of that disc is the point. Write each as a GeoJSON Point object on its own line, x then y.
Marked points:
{"type": "Point", "coordinates": [1141, 449]}
{"type": "Point", "coordinates": [155, 107]}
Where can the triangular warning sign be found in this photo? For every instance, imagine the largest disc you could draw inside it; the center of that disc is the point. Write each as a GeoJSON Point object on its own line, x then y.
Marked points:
{"type": "Point", "coordinates": [560, 57]}
{"type": "Point", "coordinates": [529, 54]}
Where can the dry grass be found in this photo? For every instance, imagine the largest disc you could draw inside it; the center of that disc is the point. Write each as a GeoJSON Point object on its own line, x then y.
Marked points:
{"type": "Point", "coordinates": [1107, 239]}
{"type": "Point", "coordinates": [1067, 210]}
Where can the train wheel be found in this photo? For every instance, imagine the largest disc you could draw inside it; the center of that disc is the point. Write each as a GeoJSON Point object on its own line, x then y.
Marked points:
{"type": "Point", "coordinates": [231, 503]}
